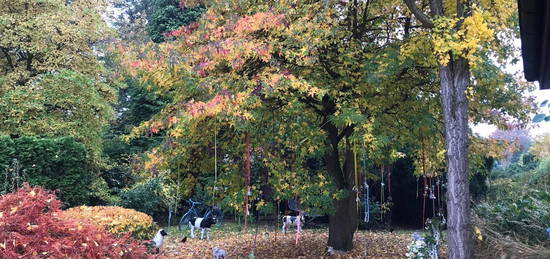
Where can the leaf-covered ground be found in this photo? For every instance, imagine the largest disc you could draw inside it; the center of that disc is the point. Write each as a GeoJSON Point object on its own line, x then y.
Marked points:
{"type": "Point", "coordinates": [272, 244]}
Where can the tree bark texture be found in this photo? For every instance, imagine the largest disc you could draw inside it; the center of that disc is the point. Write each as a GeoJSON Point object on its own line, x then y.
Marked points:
{"type": "Point", "coordinates": [455, 79]}
{"type": "Point", "coordinates": [343, 222]}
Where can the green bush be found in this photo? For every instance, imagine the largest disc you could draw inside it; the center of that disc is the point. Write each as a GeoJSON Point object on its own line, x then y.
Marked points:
{"type": "Point", "coordinates": [54, 163]}
{"type": "Point", "coordinates": [525, 217]}
{"type": "Point", "coordinates": [518, 204]}
{"type": "Point", "coordinates": [101, 194]}
{"type": "Point", "coordinates": [146, 197]}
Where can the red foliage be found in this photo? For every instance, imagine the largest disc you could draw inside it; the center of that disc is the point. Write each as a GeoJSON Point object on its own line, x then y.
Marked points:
{"type": "Point", "coordinates": [183, 31]}
{"type": "Point", "coordinates": [31, 227]}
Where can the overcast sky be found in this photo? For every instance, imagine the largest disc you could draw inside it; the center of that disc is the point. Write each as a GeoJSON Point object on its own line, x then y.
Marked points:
{"type": "Point", "coordinates": [535, 129]}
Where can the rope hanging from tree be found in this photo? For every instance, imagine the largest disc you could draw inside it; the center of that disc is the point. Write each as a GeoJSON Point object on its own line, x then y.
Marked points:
{"type": "Point", "coordinates": [382, 169]}
{"type": "Point", "coordinates": [215, 163]}
{"type": "Point", "coordinates": [356, 187]}
{"type": "Point", "coordinates": [366, 219]}
{"type": "Point", "coordinates": [425, 192]}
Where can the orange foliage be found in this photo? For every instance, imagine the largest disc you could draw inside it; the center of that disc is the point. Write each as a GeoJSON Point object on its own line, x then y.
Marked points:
{"type": "Point", "coordinates": [31, 227]}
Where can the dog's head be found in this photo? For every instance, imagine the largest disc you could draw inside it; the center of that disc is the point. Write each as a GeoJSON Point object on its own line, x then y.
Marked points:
{"type": "Point", "coordinates": [210, 220]}
{"type": "Point", "coordinates": [163, 232]}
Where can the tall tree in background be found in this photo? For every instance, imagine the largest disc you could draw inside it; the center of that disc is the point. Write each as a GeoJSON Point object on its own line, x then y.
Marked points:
{"type": "Point", "coordinates": [462, 35]}
{"type": "Point", "coordinates": [137, 22]}
{"type": "Point", "coordinates": [168, 15]}
{"type": "Point", "coordinates": [51, 81]}
{"type": "Point", "coordinates": [131, 19]}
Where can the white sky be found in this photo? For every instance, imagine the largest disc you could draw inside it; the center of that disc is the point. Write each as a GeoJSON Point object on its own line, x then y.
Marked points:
{"type": "Point", "coordinates": [535, 129]}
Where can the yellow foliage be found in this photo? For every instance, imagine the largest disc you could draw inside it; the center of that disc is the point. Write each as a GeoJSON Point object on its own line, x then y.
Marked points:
{"type": "Point", "coordinates": [473, 33]}
{"type": "Point", "coordinates": [478, 233]}
{"type": "Point", "coordinates": [116, 220]}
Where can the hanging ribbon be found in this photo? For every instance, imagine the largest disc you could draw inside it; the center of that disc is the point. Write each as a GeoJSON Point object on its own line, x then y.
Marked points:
{"type": "Point", "coordinates": [366, 219]}
{"type": "Point", "coordinates": [215, 162]}
{"type": "Point", "coordinates": [366, 186]}
{"type": "Point", "coordinates": [382, 171]}
{"type": "Point", "coordinates": [356, 187]}
{"type": "Point", "coordinates": [247, 181]}
{"type": "Point", "coordinates": [424, 202]}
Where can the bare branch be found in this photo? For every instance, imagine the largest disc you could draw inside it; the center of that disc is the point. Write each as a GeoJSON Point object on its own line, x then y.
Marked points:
{"type": "Point", "coordinates": [421, 16]}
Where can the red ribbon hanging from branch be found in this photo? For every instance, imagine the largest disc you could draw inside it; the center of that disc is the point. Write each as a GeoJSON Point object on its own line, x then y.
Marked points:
{"type": "Point", "coordinates": [247, 181]}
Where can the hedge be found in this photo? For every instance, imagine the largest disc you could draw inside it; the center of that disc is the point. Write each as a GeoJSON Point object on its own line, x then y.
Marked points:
{"type": "Point", "coordinates": [54, 163]}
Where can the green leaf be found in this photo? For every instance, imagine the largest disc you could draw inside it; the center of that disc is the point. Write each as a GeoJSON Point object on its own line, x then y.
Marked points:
{"type": "Point", "coordinates": [544, 103]}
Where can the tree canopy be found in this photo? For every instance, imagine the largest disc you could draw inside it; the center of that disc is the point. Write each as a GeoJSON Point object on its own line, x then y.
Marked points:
{"type": "Point", "coordinates": [51, 80]}
{"type": "Point", "coordinates": [322, 78]}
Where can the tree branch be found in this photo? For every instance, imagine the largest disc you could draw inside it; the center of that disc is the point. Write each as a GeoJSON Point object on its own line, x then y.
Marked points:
{"type": "Point", "coordinates": [421, 16]}
{"type": "Point", "coordinates": [29, 62]}
{"type": "Point", "coordinates": [8, 57]}
{"type": "Point", "coordinates": [346, 132]}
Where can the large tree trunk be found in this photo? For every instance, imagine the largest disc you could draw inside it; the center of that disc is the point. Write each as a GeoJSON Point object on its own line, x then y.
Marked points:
{"type": "Point", "coordinates": [455, 78]}
{"type": "Point", "coordinates": [343, 222]}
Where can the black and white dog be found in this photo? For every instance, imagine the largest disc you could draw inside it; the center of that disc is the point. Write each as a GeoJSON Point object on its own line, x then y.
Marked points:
{"type": "Point", "coordinates": [297, 221]}
{"type": "Point", "coordinates": [204, 224]}
{"type": "Point", "coordinates": [157, 242]}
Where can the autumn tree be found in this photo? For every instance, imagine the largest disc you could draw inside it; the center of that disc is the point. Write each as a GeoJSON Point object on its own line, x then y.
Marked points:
{"type": "Point", "coordinates": [320, 77]}
{"type": "Point", "coordinates": [51, 81]}
{"type": "Point", "coordinates": [462, 34]}
{"type": "Point", "coordinates": [314, 67]}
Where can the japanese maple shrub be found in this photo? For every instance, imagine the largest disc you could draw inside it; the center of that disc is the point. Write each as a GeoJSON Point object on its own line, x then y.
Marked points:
{"type": "Point", "coordinates": [31, 227]}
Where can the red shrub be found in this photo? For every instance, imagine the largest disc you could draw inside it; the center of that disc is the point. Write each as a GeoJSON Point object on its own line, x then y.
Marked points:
{"type": "Point", "coordinates": [30, 227]}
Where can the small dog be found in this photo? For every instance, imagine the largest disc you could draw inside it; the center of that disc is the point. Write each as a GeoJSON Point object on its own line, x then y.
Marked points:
{"type": "Point", "coordinates": [297, 221]}
{"type": "Point", "coordinates": [204, 224]}
{"type": "Point", "coordinates": [157, 241]}
{"type": "Point", "coordinates": [219, 253]}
